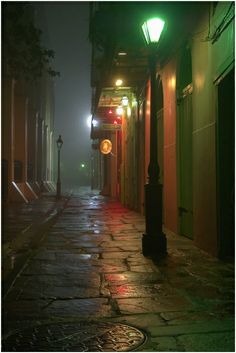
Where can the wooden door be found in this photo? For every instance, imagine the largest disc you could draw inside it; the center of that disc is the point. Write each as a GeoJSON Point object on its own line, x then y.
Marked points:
{"type": "Point", "coordinates": [185, 207]}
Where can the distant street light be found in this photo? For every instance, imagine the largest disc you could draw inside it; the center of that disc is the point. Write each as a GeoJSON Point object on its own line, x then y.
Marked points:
{"type": "Point", "coordinates": [154, 240]}
{"type": "Point", "coordinates": [59, 146]}
{"type": "Point", "coordinates": [89, 121]}
{"type": "Point", "coordinates": [119, 82]}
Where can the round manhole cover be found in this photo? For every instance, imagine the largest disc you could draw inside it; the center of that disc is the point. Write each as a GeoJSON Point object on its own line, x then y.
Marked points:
{"type": "Point", "coordinates": [75, 337]}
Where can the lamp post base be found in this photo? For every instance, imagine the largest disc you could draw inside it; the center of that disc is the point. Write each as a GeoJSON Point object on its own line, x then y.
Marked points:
{"type": "Point", "coordinates": [154, 246]}
{"type": "Point", "coordinates": [154, 241]}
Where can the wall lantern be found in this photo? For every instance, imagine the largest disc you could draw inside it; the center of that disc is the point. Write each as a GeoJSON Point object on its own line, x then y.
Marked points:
{"type": "Point", "coordinates": [119, 111]}
{"type": "Point", "coordinates": [125, 101]}
{"type": "Point", "coordinates": [105, 146]}
{"type": "Point", "coordinates": [152, 29]}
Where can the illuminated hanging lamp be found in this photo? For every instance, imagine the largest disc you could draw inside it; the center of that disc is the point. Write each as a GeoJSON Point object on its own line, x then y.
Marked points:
{"type": "Point", "coordinates": [119, 110]}
{"type": "Point", "coordinates": [119, 82]}
{"type": "Point", "coordinates": [125, 101]}
{"type": "Point", "coordinates": [152, 29]}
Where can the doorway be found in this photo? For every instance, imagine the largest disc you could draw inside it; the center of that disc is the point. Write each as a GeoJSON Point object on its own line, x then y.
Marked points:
{"type": "Point", "coordinates": [225, 165]}
{"type": "Point", "coordinates": [184, 143]}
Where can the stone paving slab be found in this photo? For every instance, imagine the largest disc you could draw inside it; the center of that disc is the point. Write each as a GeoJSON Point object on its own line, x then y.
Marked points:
{"type": "Point", "coordinates": [55, 292]}
{"type": "Point", "coordinates": [24, 309]}
{"type": "Point", "coordinates": [75, 279]}
{"type": "Point", "coordinates": [141, 290]}
{"type": "Point", "coordinates": [214, 342]}
{"type": "Point", "coordinates": [211, 326]}
{"type": "Point", "coordinates": [153, 305]}
{"type": "Point", "coordinates": [89, 307]}
{"type": "Point", "coordinates": [132, 277]}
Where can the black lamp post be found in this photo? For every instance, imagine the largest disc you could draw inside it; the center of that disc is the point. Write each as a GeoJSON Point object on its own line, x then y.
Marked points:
{"type": "Point", "coordinates": [154, 240]}
{"type": "Point", "coordinates": [59, 146]}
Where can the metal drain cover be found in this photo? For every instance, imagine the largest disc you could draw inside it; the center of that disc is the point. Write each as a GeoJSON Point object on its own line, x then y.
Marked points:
{"type": "Point", "coordinates": [75, 337]}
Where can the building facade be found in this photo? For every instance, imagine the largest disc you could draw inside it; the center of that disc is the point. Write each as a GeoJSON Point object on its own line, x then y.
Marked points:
{"type": "Point", "coordinates": [195, 113]}
{"type": "Point", "coordinates": [27, 139]}
{"type": "Point", "coordinates": [27, 117]}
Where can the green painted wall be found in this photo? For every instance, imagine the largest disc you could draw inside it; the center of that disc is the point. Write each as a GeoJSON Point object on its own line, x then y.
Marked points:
{"type": "Point", "coordinates": [169, 124]}
{"type": "Point", "coordinates": [209, 60]}
{"type": "Point", "coordinates": [211, 57]}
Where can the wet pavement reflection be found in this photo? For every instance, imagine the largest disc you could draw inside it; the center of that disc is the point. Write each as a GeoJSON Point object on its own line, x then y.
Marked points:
{"type": "Point", "coordinates": [89, 266]}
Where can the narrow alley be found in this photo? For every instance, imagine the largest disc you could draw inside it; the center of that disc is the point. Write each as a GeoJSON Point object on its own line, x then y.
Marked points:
{"type": "Point", "coordinates": [86, 286]}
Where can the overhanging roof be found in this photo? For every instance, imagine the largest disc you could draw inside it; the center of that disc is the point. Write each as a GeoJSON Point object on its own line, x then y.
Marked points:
{"type": "Point", "coordinates": [115, 27]}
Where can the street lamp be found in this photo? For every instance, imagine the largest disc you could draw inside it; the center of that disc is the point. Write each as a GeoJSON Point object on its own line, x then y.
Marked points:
{"type": "Point", "coordinates": [154, 240]}
{"type": "Point", "coordinates": [59, 146]}
{"type": "Point", "coordinates": [152, 30]}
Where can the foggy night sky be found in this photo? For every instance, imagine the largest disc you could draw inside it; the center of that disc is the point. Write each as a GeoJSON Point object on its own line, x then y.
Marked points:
{"type": "Point", "coordinates": [68, 29]}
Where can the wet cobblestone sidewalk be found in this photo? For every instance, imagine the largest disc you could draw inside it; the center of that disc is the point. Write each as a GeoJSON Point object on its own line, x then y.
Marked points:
{"type": "Point", "coordinates": [23, 227]}
{"type": "Point", "coordinates": [89, 269]}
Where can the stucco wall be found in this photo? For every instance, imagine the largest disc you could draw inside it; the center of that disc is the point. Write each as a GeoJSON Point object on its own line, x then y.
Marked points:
{"type": "Point", "coordinates": [170, 180]}
{"type": "Point", "coordinates": [204, 168]}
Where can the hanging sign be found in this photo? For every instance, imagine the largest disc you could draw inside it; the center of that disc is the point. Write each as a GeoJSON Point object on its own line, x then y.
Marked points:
{"type": "Point", "coordinates": [111, 127]}
{"type": "Point", "coordinates": [105, 146]}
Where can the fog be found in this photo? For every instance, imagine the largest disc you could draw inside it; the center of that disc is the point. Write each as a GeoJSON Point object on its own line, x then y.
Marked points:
{"type": "Point", "coordinates": [67, 32]}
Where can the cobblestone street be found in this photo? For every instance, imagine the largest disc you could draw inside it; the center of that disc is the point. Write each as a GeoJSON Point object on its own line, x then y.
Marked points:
{"type": "Point", "coordinates": [85, 285]}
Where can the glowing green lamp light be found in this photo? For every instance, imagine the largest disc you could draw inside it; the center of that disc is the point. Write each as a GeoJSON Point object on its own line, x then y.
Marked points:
{"type": "Point", "coordinates": [152, 29]}
{"type": "Point", "coordinates": [82, 165]}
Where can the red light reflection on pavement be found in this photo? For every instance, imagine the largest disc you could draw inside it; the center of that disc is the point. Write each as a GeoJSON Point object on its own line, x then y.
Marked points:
{"type": "Point", "coordinates": [124, 289]}
{"type": "Point", "coordinates": [115, 277]}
